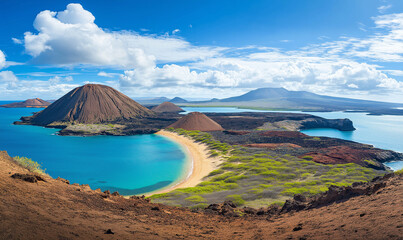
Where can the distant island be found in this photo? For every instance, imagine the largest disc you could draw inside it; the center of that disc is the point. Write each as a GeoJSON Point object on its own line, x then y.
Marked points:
{"type": "Point", "coordinates": [282, 99]}
{"type": "Point", "coordinates": [30, 103]}
{"type": "Point", "coordinates": [95, 109]}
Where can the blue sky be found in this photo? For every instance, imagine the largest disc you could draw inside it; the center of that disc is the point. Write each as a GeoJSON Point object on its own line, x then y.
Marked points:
{"type": "Point", "coordinates": [204, 49]}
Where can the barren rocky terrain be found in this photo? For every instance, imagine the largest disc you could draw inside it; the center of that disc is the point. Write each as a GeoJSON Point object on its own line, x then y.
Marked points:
{"type": "Point", "coordinates": [45, 208]}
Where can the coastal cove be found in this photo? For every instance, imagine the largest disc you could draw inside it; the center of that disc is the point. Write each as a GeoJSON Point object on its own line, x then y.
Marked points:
{"type": "Point", "coordinates": [383, 131]}
{"type": "Point", "coordinates": [129, 164]}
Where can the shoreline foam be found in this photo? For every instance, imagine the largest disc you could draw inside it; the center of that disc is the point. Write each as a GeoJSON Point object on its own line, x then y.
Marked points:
{"type": "Point", "coordinates": [200, 164]}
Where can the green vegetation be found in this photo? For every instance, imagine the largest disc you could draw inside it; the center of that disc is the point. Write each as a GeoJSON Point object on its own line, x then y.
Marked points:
{"type": "Point", "coordinates": [29, 164]}
{"type": "Point", "coordinates": [259, 177]}
{"type": "Point", "coordinates": [236, 199]}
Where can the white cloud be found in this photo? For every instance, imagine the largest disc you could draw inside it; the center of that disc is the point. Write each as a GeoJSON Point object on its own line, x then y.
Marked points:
{"type": "Point", "coordinates": [2, 60]}
{"type": "Point", "coordinates": [8, 80]}
{"type": "Point", "coordinates": [13, 88]}
{"type": "Point", "coordinates": [395, 72]}
{"type": "Point", "coordinates": [16, 40]}
{"type": "Point", "coordinates": [175, 31]}
{"type": "Point", "coordinates": [385, 45]}
{"type": "Point", "coordinates": [383, 8]}
{"type": "Point", "coordinates": [105, 74]}
{"type": "Point", "coordinates": [58, 79]}
{"type": "Point", "coordinates": [71, 37]}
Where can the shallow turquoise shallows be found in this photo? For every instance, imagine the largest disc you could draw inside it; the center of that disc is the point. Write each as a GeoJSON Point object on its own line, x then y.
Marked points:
{"type": "Point", "coordinates": [384, 132]}
{"type": "Point", "coordinates": [127, 164]}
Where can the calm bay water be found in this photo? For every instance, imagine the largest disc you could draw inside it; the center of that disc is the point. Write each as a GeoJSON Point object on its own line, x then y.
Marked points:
{"type": "Point", "coordinates": [128, 164]}
{"type": "Point", "coordinates": [384, 132]}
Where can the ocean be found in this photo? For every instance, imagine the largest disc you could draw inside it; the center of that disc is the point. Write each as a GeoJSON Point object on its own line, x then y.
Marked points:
{"type": "Point", "coordinates": [145, 163]}
{"type": "Point", "coordinates": [127, 164]}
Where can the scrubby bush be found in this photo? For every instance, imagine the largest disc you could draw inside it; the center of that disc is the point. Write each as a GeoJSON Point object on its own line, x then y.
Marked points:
{"type": "Point", "coordinates": [29, 164]}
{"type": "Point", "coordinates": [236, 199]}
{"type": "Point", "coordinates": [196, 199]}
{"type": "Point", "coordinates": [307, 157]}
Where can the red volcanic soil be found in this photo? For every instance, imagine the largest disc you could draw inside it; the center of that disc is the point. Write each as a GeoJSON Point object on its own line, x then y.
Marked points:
{"type": "Point", "coordinates": [343, 154]}
{"type": "Point", "coordinates": [30, 103]}
{"type": "Point", "coordinates": [46, 208]}
{"type": "Point", "coordinates": [272, 145]}
{"type": "Point", "coordinates": [167, 107]}
{"type": "Point", "coordinates": [91, 103]}
{"type": "Point", "coordinates": [197, 121]}
{"type": "Point", "coordinates": [287, 134]}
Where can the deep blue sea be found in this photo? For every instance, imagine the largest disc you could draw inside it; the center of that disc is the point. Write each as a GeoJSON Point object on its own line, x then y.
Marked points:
{"type": "Point", "coordinates": [384, 132]}
{"type": "Point", "coordinates": [128, 164]}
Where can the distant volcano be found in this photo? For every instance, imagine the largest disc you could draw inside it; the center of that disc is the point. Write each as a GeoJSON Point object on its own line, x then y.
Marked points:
{"type": "Point", "coordinates": [178, 100]}
{"type": "Point", "coordinates": [167, 107]}
{"type": "Point", "coordinates": [91, 103]}
{"type": "Point", "coordinates": [197, 121]}
{"type": "Point", "coordinates": [30, 103]}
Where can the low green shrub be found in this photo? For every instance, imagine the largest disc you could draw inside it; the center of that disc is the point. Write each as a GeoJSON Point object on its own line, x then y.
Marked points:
{"type": "Point", "coordinates": [196, 199]}
{"type": "Point", "coordinates": [29, 164]}
{"type": "Point", "coordinates": [236, 199]}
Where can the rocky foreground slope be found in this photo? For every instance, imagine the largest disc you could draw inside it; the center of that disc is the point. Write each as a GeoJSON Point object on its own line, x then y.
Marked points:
{"type": "Point", "coordinates": [45, 208]}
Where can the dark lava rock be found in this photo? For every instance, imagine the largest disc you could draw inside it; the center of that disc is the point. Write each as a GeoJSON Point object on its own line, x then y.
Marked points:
{"type": "Point", "coordinates": [299, 198]}
{"type": "Point", "coordinates": [225, 209]}
{"type": "Point", "coordinates": [109, 231]}
{"type": "Point", "coordinates": [156, 208]}
{"type": "Point", "coordinates": [229, 203]}
{"type": "Point", "coordinates": [292, 205]}
{"type": "Point", "coordinates": [340, 124]}
{"type": "Point", "coordinates": [249, 210]}
{"type": "Point", "coordinates": [141, 198]}
{"type": "Point", "coordinates": [63, 180]}
{"type": "Point", "coordinates": [298, 227]}
{"type": "Point", "coordinates": [28, 177]}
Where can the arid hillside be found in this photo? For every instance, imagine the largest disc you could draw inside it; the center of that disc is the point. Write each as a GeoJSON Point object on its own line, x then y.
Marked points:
{"type": "Point", "coordinates": [91, 103]}
{"type": "Point", "coordinates": [39, 207]}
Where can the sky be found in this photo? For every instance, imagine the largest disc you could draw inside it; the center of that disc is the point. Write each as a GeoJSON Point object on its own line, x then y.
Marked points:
{"type": "Point", "coordinates": [202, 49]}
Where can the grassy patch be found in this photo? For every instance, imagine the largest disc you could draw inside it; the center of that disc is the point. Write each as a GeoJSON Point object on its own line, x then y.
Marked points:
{"type": "Point", "coordinates": [259, 177]}
{"type": "Point", "coordinates": [195, 199]}
{"type": "Point", "coordinates": [236, 199]}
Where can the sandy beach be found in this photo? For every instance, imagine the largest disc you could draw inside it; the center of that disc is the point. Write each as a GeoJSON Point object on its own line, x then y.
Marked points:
{"type": "Point", "coordinates": [200, 164]}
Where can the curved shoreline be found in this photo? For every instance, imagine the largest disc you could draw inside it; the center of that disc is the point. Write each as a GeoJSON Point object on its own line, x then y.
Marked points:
{"type": "Point", "coordinates": [198, 161]}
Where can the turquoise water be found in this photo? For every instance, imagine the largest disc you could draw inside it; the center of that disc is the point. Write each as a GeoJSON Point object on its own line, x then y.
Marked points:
{"type": "Point", "coordinates": [128, 164]}
{"type": "Point", "coordinates": [218, 109]}
{"type": "Point", "coordinates": [384, 132]}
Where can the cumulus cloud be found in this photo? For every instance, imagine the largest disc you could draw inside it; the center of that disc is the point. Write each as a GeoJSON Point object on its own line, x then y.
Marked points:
{"type": "Point", "coordinates": [295, 73]}
{"type": "Point", "coordinates": [13, 88]}
{"type": "Point", "coordinates": [170, 64]}
{"type": "Point", "coordinates": [8, 80]}
{"type": "Point", "coordinates": [71, 37]}
{"type": "Point", "coordinates": [2, 60]}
